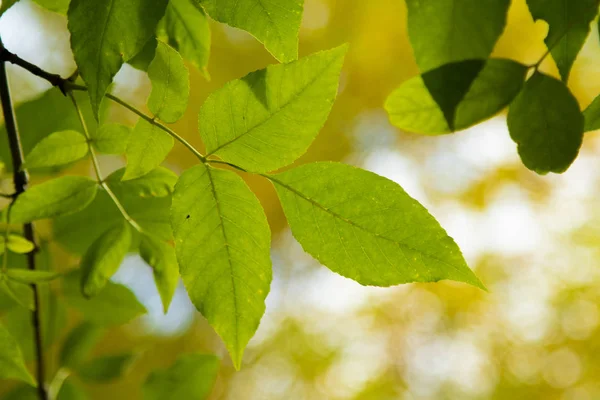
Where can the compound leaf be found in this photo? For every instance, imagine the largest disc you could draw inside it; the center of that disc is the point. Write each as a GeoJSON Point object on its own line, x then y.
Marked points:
{"type": "Point", "coordinates": [148, 147]}
{"type": "Point", "coordinates": [57, 149]}
{"type": "Point", "coordinates": [222, 242]}
{"type": "Point", "coordinates": [111, 138]}
{"type": "Point", "coordinates": [12, 363]}
{"type": "Point", "coordinates": [161, 257]}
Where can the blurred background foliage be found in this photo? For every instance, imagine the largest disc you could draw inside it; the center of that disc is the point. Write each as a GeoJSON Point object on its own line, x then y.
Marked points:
{"type": "Point", "coordinates": [534, 241]}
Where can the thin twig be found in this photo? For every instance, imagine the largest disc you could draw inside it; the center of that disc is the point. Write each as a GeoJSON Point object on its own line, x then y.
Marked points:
{"type": "Point", "coordinates": [96, 165]}
{"type": "Point", "coordinates": [21, 180]}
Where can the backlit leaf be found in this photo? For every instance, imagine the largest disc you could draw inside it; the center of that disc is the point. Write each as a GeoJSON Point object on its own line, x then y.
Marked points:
{"type": "Point", "coordinates": [148, 147]}
{"type": "Point", "coordinates": [57, 149]}
{"type": "Point", "coordinates": [275, 23]}
{"type": "Point", "coordinates": [28, 276]}
{"type": "Point", "coordinates": [161, 257]}
{"type": "Point", "coordinates": [60, 196]}
{"type": "Point", "coordinates": [222, 241]}
{"type": "Point", "coordinates": [365, 227]}
{"type": "Point", "coordinates": [107, 33]}
{"type": "Point", "coordinates": [111, 138]}
{"type": "Point", "coordinates": [268, 119]}
{"type": "Point", "coordinates": [12, 364]}
{"type": "Point", "coordinates": [106, 368]}
{"type": "Point", "coordinates": [17, 244]}
{"type": "Point", "coordinates": [157, 183]}
{"type": "Point", "coordinates": [78, 344]}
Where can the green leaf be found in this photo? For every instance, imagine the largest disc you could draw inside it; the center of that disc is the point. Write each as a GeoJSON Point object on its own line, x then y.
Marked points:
{"type": "Point", "coordinates": [22, 294]}
{"type": "Point", "coordinates": [70, 390]}
{"type": "Point", "coordinates": [76, 232]}
{"type": "Point", "coordinates": [569, 26]}
{"type": "Point", "coordinates": [111, 138]}
{"type": "Point", "coordinates": [412, 107]}
{"type": "Point", "coordinates": [192, 376]}
{"type": "Point", "coordinates": [49, 113]}
{"type": "Point", "coordinates": [17, 244]}
{"type": "Point", "coordinates": [159, 182]}
{"type": "Point", "coordinates": [143, 59]}
{"type": "Point", "coordinates": [103, 259]}
{"type": "Point", "coordinates": [105, 369]}
{"type": "Point", "coordinates": [446, 31]}
{"type": "Point", "coordinates": [79, 344]}
{"type": "Point", "coordinates": [161, 257]}
{"type": "Point", "coordinates": [60, 196]}
{"type": "Point", "coordinates": [12, 364]}
{"type": "Point", "coordinates": [107, 33]}
{"type": "Point", "coordinates": [170, 84]}
{"type": "Point", "coordinates": [58, 6]}
{"type": "Point", "coordinates": [222, 241]}
{"type": "Point", "coordinates": [268, 119]}
{"type": "Point", "coordinates": [28, 276]}
{"type": "Point", "coordinates": [185, 27]}
{"type": "Point", "coordinates": [148, 147]}
{"type": "Point", "coordinates": [592, 116]}
{"type": "Point", "coordinates": [22, 392]}
{"type": "Point", "coordinates": [114, 305]}
{"type": "Point", "coordinates": [57, 149]}
{"type": "Point", "coordinates": [546, 123]}
{"type": "Point", "coordinates": [366, 228]}
{"type": "Point", "coordinates": [274, 23]}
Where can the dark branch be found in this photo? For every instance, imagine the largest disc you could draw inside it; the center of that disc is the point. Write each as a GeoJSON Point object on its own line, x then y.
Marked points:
{"type": "Point", "coordinates": [21, 180]}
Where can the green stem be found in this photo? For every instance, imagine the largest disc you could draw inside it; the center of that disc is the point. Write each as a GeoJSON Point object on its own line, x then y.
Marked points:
{"type": "Point", "coordinates": [153, 121]}
{"type": "Point", "coordinates": [98, 172]}
{"type": "Point", "coordinates": [57, 382]}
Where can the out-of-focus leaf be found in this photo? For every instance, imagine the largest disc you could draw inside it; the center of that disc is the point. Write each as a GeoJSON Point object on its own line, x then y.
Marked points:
{"type": "Point", "coordinates": [58, 6]}
{"type": "Point", "coordinates": [170, 84]}
{"type": "Point", "coordinates": [105, 34]}
{"type": "Point", "coordinates": [143, 59]}
{"type": "Point", "coordinates": [6, 4]}
{"type": "Point", "coordinates": [569, 25]}
{"type": "Point", "coordinates": [21, 293]}
{"type": "Point", "coordinates": [22, 392]}
{"type": "Point", "coordinates": [366, 227]}
{"type": "Point", "coordinates": [12, 364]}
{"type": "Point", "coordinates": [111, 138]}
{"type": "Point", "coordinates": [222, 242]}
{"type": "Point", "coordinates": [592, 115]}
{"type": "Point", "coordinates": [60, 196]}
{"type": "Point", "coordinates": [103, 259]}
{"type": "Point", "coordinates": [412, 107]}
{"type": "Point", "coordinates": [105, 369]}
{"type": "Point", "coordinates": [191, 377]}
{"type": "Point", "coordinates": [547, 124]}
{"type": "Point", "coordinates": [274, 23]}
{"type": "Point", "coordinates": [17, 244]}
{"type": "Point", "coordinates": [268, 119]}
{"type": "Point", "coordinates": [148, 146]}
{"type": "Point", "coordinates": [157, 183]}
{"type": "Point", "coordinates": [114, 305]}
{"type": "Point", "coordinates": [28, 276]}
{"type": "Point", "coordinates": [79, 343]}
{"type": "Point", "coordinates": [445, 31]}
{"type": "Point", "coordinates": [71, 390]}
{"type": "Point", "coordinates": [161, 257]}
{"type": "Point", "coordinates": [185, 27]}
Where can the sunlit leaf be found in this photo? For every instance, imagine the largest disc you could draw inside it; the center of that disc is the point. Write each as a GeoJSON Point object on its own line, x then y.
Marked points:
{"type": "Point", "coordinates": [71, 390]}
{"type": "Point", "coordinates": [274, 23]}
{"type": "Point", "coordinates": [170, 84]}
{"type": "Point", "coordinates": [192, 376]}
{"type": "Point", "coordinates": [445, 31]}
{"type": "Point", "coordinates": [148, 147]}
{"type": "Point", "coordinates": [111, 138]}
{"type": "Point", "coordinates": [21, 293]}
{"type": "Point", "coordinates": [185, 27]}
{"type": "Point", "coordinates": [157, 183]}
{"type": "Point", "coordinates": [569, 26]}
{"type": "Point", "coordinates": [59, 6]}
{"type": "Point", "coordinates": [592, 115]}
{"type": "Point", "coordinates": [365, 227]}
{"type": "Point", "coordinates": [161, 257]}
{"type": "Point", "coordinates": [17, 244]}
{"type": "Point", "coordinates": [114, 305]}
{"type": "Point", "coordinates": [12, 364]}
{"type": "Point", "coordinates": [268, 119]}
{"type": "Point", "coordinates": [413, 108]}
{"type": "Point", "coordinates": [222, 241]}
{"type": "Point", "coordinates": [103, 259]}
{"type": "Point", "coordinates": [547, 124]}
{"type": "Point", "coordinates": [57, 149]}
{"type": "Point", "coordinates": [105, 34]}
{"type": "Point", "coordinates": [60, 196]}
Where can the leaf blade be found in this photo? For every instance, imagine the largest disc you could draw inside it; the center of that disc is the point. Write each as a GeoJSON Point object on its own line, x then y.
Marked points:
{"type": "Point", "coordinates": [148, 147]}
{"type": "Point", "coordinates": [12, 364]}
{"type": "Point", "coordinates": [57, 149]}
